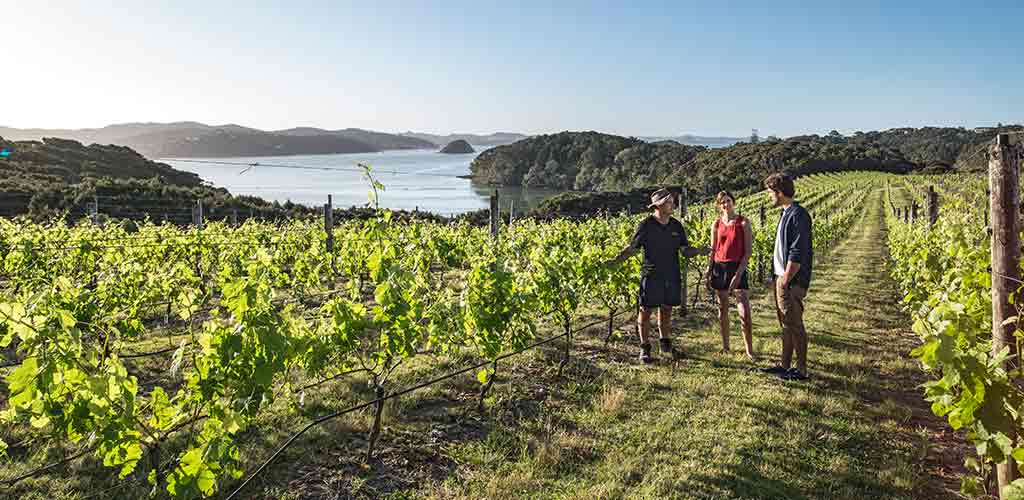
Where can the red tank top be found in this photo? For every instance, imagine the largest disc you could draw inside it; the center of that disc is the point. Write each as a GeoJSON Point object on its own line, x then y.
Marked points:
{"type": "Point", "coordinates": [730, 240]}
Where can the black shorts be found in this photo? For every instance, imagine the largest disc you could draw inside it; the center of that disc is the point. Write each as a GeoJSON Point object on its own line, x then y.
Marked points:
{"type": "Point", "coordinates": [660, 291]}
{"type": "Point", "coordinates": [722, 274]}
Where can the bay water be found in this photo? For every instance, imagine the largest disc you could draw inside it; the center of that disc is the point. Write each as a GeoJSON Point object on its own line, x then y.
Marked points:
{"type": "Point", "coordinates": [413, 179]}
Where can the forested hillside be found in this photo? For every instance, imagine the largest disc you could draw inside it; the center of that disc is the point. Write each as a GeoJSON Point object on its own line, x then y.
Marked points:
{"type": "Point", "coordinates": [593, 161]}
{"type": "Point", "coordinates": [940, 148]}
{"type": "Point", "coordinates": [42, 179]}
{"type": "Point", "coordinates": [62, 161]}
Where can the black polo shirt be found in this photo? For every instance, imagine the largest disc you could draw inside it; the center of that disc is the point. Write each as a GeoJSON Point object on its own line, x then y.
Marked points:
{"type": "Point", "coordinates": [661, 244]}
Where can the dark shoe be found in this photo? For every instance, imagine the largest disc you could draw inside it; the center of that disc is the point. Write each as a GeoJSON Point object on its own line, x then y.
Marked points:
{"type": "Point", "coordinates": [775, 370]}
{"type": "Point", "coordinates": [794, 374]}
{"type": "Point", "coordinates": [666, 347]}
{"type": "Point", "coordinates": [645, 354]}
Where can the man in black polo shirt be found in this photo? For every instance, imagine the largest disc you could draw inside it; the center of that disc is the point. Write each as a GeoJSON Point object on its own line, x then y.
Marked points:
{"type": "Point", "coordinates": [662, 238]}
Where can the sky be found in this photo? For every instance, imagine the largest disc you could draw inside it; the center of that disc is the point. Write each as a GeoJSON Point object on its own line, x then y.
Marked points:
{"type": "Point", "coordinates": [629, 68]}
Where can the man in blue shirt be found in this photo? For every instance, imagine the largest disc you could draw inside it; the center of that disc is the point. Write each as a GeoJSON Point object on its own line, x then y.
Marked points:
{"type": "Point", "coordinates": [792, 264]}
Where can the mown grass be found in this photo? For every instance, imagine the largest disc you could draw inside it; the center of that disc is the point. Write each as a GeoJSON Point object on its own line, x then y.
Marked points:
{"type": "Point", "coordinates": [712, 426]}
{"type": "Point", "coordinates": [718, 428]}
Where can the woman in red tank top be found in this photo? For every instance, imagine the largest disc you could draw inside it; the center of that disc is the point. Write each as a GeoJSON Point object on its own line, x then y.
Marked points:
{"type": "Point", "coordinates": [732, 243]}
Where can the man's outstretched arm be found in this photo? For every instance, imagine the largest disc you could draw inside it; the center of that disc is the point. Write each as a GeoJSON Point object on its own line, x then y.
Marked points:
{"type": "Point", "coordinates": [626, 253]}
{"type": "Point", "coordinates": [695, 251]}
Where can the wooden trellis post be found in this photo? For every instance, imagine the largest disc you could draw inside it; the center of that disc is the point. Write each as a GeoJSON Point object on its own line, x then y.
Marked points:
{"type": "Point", "coordinates": [988, 225]}
{"type": "Point", "coordinates": [495, 216]}
{"type": "Point", "coordinates": [329, 226]}
{"type": "Point", "coordinates": [94, 210]}
{"type": "Point", "coordinates": [197, 214]}
{"type": "Point", "coordinates": [760, 262]}
{"type": "Point", "coordinates": [684, 202]}
{"type": "Point", "coordinates": [933, 206]}
{"type": "Point", "coordinates": [1004, 205]}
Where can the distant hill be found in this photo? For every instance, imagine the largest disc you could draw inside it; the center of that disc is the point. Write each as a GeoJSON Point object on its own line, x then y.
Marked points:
{"type": "Point", "coordinates": [64, 161]}
{"type": "Point", "coordinates": [193, 139]}
{"type": "Point", "coordinates": [57, 172]}
{"type": "Point", "coordinates": [697, 140]}
{"type": "Point", "coordinates": [594, 161]}
{"type": "Point", "coordinates": [495, 139]}
{"type": "Point", "coordinates": [458, 147]}
{"type": "Point", "coordinates": [54, 177]}
{"type": "Point", "coordinates": [574, 160]}
{"type": "Point", "coordinates": [619, 170]}
{"type": "Point", "coordinates": [380, 140]}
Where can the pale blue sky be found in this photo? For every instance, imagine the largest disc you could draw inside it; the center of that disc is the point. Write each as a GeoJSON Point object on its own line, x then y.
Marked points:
{"type": "Point", "coordinates": [630, 68]}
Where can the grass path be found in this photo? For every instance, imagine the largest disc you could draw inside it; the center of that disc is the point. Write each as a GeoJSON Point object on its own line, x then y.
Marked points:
{"type": "Point", "coordinates": [715, 427]}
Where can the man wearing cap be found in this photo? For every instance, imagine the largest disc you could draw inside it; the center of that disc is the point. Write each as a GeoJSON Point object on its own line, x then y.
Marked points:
{"type": "Point", "coordinates": [661, 237]}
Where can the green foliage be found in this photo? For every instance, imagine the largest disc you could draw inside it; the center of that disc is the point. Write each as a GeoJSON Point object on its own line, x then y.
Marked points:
{"type": "Point", "coordinates": [266, 309]}
{"type": "Point", "coordinates": [944, 275]}
{"type": "Point", "coordinates": [497, 306]}
{"type": "Point", "coordinates": [937, 147]}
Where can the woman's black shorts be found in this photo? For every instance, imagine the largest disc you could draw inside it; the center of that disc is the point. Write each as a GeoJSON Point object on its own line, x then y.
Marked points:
{"type": "Point", "coordinates": [660, 291]}
{"type": "Point", "coordinates": [722, 274]}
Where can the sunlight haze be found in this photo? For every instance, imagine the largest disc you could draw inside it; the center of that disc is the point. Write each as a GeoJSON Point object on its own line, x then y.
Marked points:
{"type": "Point", "coordinates": [660, 68]}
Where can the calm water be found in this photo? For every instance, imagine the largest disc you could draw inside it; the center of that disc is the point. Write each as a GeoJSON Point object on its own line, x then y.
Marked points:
{"type": "Point", "coordinates": [423, 179]}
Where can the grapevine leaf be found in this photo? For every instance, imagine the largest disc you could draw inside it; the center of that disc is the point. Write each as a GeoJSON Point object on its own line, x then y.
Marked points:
{"type": "Point", "coordinates": [163, 412]}
{"type": "Point", "coordinates": [20, 380]}
{"type": "Point", "coordinates": [40, 421]}
{"type": "Point", "coordinates": [67, 320]}
{"type": "Point", "coordinates": [206, 481]}
{"type": "Point", "coordinates": [1018, 454]}
{"type": "Point", "coordinates": [233, 423]}
{"type": "Point", "coordinates": [133, 452]}
{"type": "Point", "coordinates": [192, 461]}
{"type": "Point", "coordinates": [1013, 491]}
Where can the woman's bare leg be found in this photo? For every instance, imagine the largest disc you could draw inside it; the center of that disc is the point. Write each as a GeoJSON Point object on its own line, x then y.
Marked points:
{"type": "Point", "coordinates": [743, 307]}
{"type": "Point", "coordinates": [723, 318]}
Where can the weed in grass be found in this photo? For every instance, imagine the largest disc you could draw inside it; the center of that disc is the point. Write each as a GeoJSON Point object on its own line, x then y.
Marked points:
{"type": "Point", "coordinates": [611, 401]}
